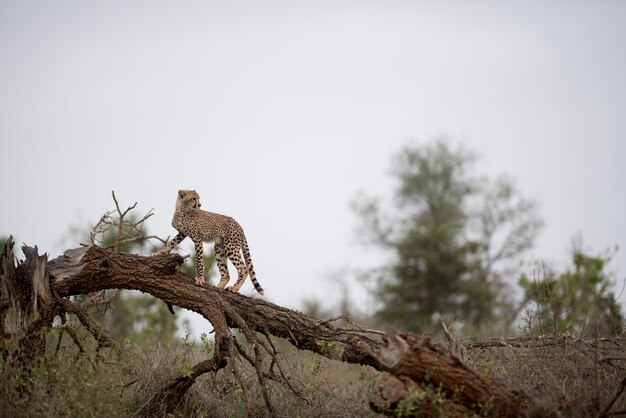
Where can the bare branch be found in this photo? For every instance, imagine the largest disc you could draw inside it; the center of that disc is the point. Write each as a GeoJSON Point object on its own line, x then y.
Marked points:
{"type": "Point", "coordinates": [100, 336]}
{"type": "Point", "coordinates": [233, 365]}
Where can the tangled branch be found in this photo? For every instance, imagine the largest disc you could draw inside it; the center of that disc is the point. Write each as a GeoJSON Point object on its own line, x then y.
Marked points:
{"type": "Point", "coordinates": [118, 228]}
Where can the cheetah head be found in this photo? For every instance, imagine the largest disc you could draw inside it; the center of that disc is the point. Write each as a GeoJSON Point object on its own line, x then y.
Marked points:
{"type": "Point", "coordinates": [188, 199]}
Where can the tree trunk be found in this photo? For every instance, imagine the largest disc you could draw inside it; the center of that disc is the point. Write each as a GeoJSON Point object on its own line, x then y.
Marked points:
{"type": "Point", "coordinates": [92, 269]}
{"type": "Point", "coordinates": [417, 365]}
{"type": "Point", "coordinates": [434, 378]}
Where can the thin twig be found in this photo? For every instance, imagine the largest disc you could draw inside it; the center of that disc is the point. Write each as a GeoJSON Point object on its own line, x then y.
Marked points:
{"type": "Point", "coordinates": [274, 353]}
{"type": "Point", "coordinates": [72, 334]}
{"type": "Point", "coordinates": [233, 364]}
{"type": "Point", "coordinates": [125, 231]}
{"type": "Point", "coordinates": [457, 350]}
{"type": "Point", "coordinates": [609, 405]}
{"type": "Point", "coordinates": [58, 346]}
{"type": "Point", "coordinates": [332, 319]}
{"type": "Point", "coordinates": [100, 336]}
{"type": "Point", "coordinates": [361, 329]}
{"type": "Point", "coordinates": [258, 359]}
{"type": "Point", "coordinates": [242, 351]}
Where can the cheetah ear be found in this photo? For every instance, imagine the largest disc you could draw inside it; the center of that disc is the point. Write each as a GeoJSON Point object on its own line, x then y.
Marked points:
{"type": "Point", "coordinates": [181, 193]}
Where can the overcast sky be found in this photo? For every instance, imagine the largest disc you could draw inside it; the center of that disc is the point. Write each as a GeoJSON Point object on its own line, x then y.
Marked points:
{"type": "Point", "coordinates": [279, 112]}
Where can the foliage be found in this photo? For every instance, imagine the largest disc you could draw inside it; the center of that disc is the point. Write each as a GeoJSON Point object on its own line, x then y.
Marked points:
{"type": "Point", "coordinates": [406, 405]}
{"type": "Point", "coordinates": [579, 300]}
{"type": "Point", "coordinates": [454, 237]}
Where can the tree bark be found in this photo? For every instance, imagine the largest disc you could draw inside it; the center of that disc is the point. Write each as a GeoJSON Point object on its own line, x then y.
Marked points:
{"type": "Point", "coordinates": [417, 365]}
{"type": "Point", "coordinates": [422, 367]}
{"type": "Point", "coordinates": [93, 269]}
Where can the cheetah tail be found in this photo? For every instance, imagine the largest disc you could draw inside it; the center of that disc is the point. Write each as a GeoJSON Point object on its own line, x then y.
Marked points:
{"type": "Point", "coordinates": [248, 260]}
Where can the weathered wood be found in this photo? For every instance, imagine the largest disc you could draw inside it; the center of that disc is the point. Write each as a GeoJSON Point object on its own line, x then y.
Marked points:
{"type": "Point", "coordinates": [99, 270]}
{"type": "Point", "coordinates": [403, 397]}
{"type": "Point", "coordinates": [25, 292]}
{"type": "Point", "coordinates": [417, 362]}
{"type": "Point", "coordinates": [94, 269]}
{"type": "Point", "coordinates": [7, 283]}
{"type": "Point", "coordinates": [37, 265]}
{"type": "Point", "coordinates": [67, 265]}
{"type": "Point", "coordinates": [418, 366]}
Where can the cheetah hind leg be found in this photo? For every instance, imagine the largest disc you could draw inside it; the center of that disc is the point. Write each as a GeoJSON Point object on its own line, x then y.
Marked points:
{"type": "Point", "coordinates": [242, 271]}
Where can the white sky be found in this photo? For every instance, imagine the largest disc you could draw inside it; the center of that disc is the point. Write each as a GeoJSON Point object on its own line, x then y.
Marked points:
{"type": "Point", "coordinates": [278, 113]}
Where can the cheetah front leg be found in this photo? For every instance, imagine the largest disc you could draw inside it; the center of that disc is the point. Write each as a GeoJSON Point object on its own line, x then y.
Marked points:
{"type": "Point", "coordinates": [173, 243]}
{"type": "Point", "coordinates": [220, 257]}
{"type": "Point", "coordinates": [199, 262]}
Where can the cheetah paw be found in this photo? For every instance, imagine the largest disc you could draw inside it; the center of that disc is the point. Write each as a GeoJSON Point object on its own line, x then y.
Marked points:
{"type": "Point", "coordinates": [232, 289]}
{"type": "Point", "coordinates": [200, 280]}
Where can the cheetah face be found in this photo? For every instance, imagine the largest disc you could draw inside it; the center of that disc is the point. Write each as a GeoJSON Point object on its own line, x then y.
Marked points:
{"type": "Point", "coordinates": [188, 199]}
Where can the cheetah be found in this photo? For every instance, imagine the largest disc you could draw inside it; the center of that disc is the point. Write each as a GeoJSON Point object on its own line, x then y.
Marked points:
{"type": "Point", "coordinates": [190, 221]}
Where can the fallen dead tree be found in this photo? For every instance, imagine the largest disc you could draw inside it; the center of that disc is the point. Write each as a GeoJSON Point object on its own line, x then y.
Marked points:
{"type": "Point", "coordinates": [421, 379]}
{"type": "Point", "coordinates": [417, 369]}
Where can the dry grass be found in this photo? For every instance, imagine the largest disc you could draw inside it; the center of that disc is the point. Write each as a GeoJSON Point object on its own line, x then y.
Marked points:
{"type": "Point", "coordinates": [324, 388]}
{"type": "Point", "coordinates": [70, 384]}
{"type": "Point", "coordinates": [582, 375]}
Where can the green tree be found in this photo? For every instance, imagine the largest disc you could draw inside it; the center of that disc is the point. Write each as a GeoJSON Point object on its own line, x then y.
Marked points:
{"type": "Point", "coordinates": [504, 224]}
{"type": "Point", "coordinates": [452, 235]}
{"type": "Point", "coordinates": [580, 300]}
